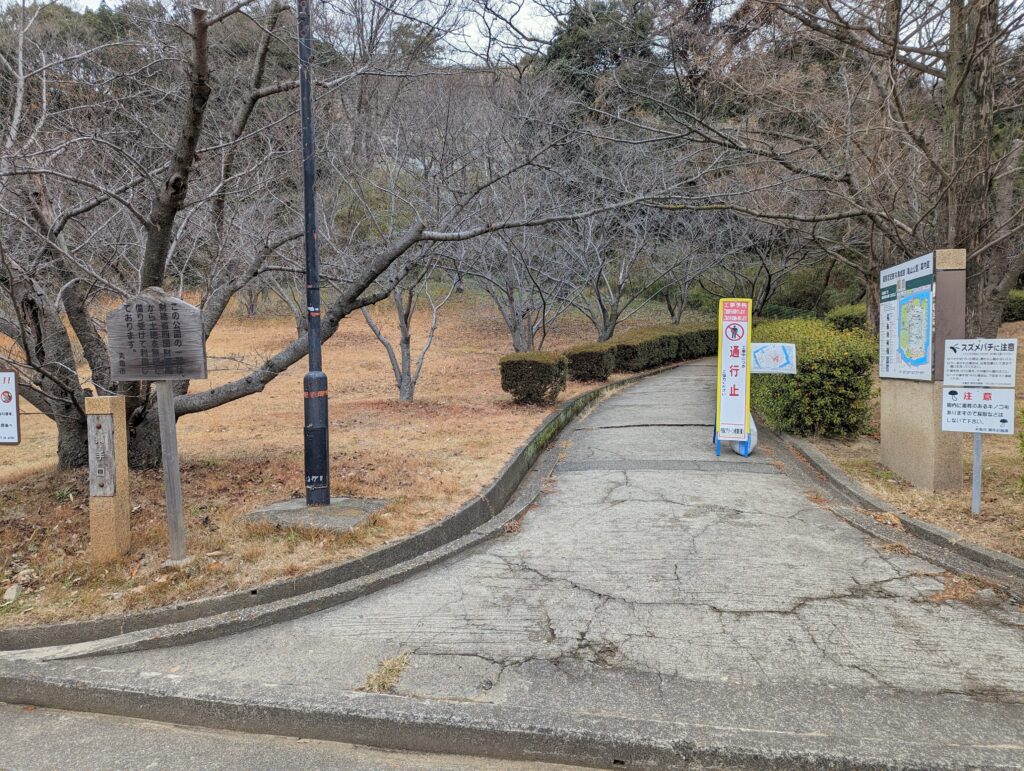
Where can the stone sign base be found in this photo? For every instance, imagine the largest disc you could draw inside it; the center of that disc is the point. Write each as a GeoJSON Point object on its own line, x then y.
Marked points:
{"type": "Point", "coordinates": [913, 443]}
{"type": "Point", "coordinates": [342, 515]}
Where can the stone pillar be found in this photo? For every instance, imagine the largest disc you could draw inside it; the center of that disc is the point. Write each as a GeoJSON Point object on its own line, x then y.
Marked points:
{"type": "Point", "coordinates": [914, 446]}
{"type": "Point", "coordinates": [109, 503]}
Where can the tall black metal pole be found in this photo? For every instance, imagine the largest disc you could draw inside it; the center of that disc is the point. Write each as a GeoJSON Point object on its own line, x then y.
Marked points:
{"type": "Point", "coordinates": [314, 384]}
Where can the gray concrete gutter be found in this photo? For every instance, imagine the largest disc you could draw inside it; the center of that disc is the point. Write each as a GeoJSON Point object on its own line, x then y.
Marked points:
{"type": "Point", "coordinates": [945, 539]}
{"type": "Point", "coordinates": [482, 517]}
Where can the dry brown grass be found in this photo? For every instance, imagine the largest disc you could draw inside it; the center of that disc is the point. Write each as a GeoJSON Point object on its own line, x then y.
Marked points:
{"type": "Point", "coordinates": [386, 676]}
{"type": "Point", "coordinates": [1001, 523]}
{"type": "Point", "coordinates": [425, 458]}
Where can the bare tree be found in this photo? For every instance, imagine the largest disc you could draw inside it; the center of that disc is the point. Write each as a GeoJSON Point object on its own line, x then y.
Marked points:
{"type": "Point", "coordinates": [421, 283]}
{"type": "Point", "coordinates": [167, 158]}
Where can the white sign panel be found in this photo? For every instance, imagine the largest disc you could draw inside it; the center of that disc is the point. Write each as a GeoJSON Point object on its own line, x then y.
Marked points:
{"type": "Point", "coordinates": [981, 410]}
{"type": "Point", "coordinates": [10, 425]}
{"type": "Point", "coordinates": [733, 415]}
{"type": "Point", "coordinates": [905, 324]}
{"type": "Point", "coordinates": [774, 359]}
{"type": "Point", "coordinates": [991, 363]}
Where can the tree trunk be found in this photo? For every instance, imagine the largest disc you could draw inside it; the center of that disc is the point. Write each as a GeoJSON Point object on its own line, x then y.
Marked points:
{"type": "Point", "coordinates": [144, 443]}
{"type": "Point", "coordinates": [72, 439]}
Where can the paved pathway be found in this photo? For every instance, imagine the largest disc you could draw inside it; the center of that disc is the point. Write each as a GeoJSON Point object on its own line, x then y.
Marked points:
{"type": "Point", "coordinates": [654, 586]}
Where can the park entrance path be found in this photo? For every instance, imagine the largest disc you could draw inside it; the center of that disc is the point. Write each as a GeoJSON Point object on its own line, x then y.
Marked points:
{"type": "Point", "coordinates": [655, 596]}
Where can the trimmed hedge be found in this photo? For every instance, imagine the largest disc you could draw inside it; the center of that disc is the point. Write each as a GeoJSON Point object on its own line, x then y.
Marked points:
{"type": "Point", "coordinates": [1014, 308]}
{"type": "Point", "coordinates": [648, 347]}
{"type": "Point", "coordinates": [847, 317]}
{"type": "Point", "coordinates": [591, 362]}
{"type": "Point", "coordinates": [536, 377]}
{"type": "Point", "coordinates": [831, 394]}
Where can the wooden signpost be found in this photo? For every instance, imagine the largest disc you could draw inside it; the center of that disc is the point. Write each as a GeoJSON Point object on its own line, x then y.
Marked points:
{"type": "Point", "coordinates": [158, 338]}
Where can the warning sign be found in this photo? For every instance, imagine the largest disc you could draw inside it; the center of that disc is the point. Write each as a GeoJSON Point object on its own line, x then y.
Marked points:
{"type": "Point", "coordinates": [732, 422]}
{"type": "Point", "coordinates": [991, 363]}
{"type": "Point", "coordinates": [981, 410]}
{"type": "Point", "coordinates": [10, 426]}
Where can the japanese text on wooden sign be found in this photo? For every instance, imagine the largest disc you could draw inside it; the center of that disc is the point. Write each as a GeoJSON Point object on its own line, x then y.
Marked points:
{"type": "Point", "coordinates": [905, 324]}
{"type": "Point", "coordinates": [732, 421]}
{"type": "Point", "coordinates": [10, 420]}
{"type": "Point", "coordinates": [978, 381]}
{"type": "Point", "coordinates": [156, 337]}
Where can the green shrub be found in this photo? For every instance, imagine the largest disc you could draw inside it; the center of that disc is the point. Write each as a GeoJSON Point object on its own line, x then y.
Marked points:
{"type": "Point", "coordinates": [831, 394]}
{"type": "Point", "coordinates": [595, 361]}
{"type": "Point", "coordinates": [847, 317]}
{"type": "Point", "coordinates": [697, 343]}
{"type": "Point", "coordinates": [1014, 308]}
{"type": "Point", "coordinates": [644, 348]}
{"type": "Point", "coordinates": [648, 347]}
{"type": "Point", "coordinates": [536, 377]}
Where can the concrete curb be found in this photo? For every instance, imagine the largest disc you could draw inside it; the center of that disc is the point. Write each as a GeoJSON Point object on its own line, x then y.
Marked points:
{"type": "Point", "coordinates": [478, 519]}
{"type": "Point", "coordinates": [932, 533]}
{"type": "Point", "coordinates": [493, 730]}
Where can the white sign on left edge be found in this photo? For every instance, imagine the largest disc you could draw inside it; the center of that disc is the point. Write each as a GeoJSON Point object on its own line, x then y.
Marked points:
{"type": "Point", "coordinates": [10, 420]}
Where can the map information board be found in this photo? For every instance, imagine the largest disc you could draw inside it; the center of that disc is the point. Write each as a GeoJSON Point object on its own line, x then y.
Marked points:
{"type": "Point", "coordinates": [774, 359]}
{"type": "Point", "coordinates": [906, 320]}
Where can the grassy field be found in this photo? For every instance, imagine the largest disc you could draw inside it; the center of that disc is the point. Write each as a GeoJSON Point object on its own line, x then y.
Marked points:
{"type": "Point", "coordinates": [1001, 523]}
{"type": "Point", "coordinates": [426, 458]}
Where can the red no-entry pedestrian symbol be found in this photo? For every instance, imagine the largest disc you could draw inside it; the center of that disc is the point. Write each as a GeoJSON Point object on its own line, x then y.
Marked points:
{"type": "Point", "coordinates": [734, 332]}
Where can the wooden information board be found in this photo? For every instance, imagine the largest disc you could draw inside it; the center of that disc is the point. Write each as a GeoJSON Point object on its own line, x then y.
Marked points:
{"type": "Point", "coordinates": [156, 336]}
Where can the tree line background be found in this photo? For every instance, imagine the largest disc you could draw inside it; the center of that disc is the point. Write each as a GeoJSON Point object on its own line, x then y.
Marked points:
{"type": "Point", "coordinates": [558, 156]}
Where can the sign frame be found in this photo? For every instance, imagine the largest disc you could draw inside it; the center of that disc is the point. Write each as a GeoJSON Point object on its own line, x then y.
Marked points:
{"type": "Point", "coordinates": [16, 401]}
{"type": "Point", "coordinates": [723, 376]}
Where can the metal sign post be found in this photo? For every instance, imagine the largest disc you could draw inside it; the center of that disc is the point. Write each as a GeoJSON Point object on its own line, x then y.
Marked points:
{"type": "Point", "coordinates": [978, 395]}
{"type": "Point", "coordinates": [314, 384]}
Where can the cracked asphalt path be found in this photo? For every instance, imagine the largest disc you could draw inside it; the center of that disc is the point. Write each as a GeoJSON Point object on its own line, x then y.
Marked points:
{"type": "Point", "coordinates": [653, 581]}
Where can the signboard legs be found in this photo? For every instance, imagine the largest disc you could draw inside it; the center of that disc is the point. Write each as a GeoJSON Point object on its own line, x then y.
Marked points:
{"type": "Point", "coordinates": [172, 470]}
